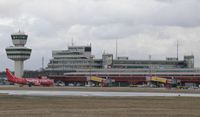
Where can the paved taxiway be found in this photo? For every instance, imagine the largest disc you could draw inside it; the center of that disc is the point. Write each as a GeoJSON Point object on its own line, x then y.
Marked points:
{"type": "Point", "coordinates": [87, 93]}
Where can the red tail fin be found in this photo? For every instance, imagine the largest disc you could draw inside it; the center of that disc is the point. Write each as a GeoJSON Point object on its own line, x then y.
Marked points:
{"type": "Point", "coordinates": [10, 76]}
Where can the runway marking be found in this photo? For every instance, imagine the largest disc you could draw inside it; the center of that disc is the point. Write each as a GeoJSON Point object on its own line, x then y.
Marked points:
{"type": "Point", "coordinates": [89, 93]}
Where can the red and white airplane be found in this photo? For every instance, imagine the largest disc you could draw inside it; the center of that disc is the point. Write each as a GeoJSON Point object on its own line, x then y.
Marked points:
{"type": "Point", "coordinates": [28, 81]}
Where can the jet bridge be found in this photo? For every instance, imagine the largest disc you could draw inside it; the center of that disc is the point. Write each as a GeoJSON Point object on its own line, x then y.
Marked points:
{"type": "Point", "coordinates": [100, 81]}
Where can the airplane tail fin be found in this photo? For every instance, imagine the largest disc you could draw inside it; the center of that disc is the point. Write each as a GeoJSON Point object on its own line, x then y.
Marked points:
{"type": "Point", "coordinates": [10, 76]}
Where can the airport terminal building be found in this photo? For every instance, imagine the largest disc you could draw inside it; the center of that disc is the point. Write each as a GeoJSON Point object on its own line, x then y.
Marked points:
{"type": "Point", "coordinates": [78, 58]}
{"type": "Point", "coordinates": [76, 64]}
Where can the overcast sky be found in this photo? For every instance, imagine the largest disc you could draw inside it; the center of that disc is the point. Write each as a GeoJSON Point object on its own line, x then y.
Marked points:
{"type": "Point", "coordinates": [142, 27]}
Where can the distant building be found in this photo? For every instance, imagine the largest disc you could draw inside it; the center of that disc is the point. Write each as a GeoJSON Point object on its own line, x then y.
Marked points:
{"type": "Point", "coordinates": [79, 58]}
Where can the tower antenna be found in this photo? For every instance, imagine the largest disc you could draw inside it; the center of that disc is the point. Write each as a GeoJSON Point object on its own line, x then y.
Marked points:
{"type": "Point", "coordinates": [177, 49]}
{"type": "Point", "coordinates": [116, 49]}
{"type": "Point", "coordinates": [42, 62]}
{"type": "Point", "coordinates": [72, 41]}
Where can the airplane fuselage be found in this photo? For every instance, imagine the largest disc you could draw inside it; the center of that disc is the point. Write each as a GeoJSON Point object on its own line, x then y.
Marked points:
{"type": "Point", "coordinates": [28, 81]}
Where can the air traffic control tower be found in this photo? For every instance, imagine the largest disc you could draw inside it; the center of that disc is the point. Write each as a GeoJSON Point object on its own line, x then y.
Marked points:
{"type": "Point", "coordinates": [18, 53]}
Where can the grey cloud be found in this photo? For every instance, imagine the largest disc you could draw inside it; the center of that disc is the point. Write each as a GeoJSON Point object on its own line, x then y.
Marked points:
{"type": "Point", "coordinates": [10, 8]}
{"type": "Point", "coordinates": [136, 23]}
{"type": "Point", "coordinates": [91, 12]}
{"type": "Point", "coordinates": [178, 13]}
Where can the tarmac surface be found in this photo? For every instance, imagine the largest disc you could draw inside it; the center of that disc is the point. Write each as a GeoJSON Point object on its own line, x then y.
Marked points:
{"type": "Point", "coordinates": [90, 93]}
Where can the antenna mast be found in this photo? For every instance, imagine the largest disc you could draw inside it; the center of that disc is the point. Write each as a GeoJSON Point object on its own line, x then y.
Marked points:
{"type": "Point", "coordinates": [42, 62]}
{"type": "Point", "coordinates": [116, 49]}
{"type": "Point", "coordinates": [177, 49]}
{"type": "Point", "coordinates": [72, 41]}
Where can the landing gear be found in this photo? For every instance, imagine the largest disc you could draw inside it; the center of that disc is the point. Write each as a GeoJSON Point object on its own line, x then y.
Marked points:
{"type": "Point", "coordinates": [21, 85]}
{"type": "Point", "coordinates": [30, 84]}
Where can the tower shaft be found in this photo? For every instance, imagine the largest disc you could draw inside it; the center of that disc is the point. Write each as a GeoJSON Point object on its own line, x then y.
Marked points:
{"type": "Point", "coordinates": [19, 68]}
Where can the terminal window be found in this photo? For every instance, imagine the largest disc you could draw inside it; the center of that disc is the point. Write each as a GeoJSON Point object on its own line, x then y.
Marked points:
{"type": "Point", "coordinates": [87, 49]}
